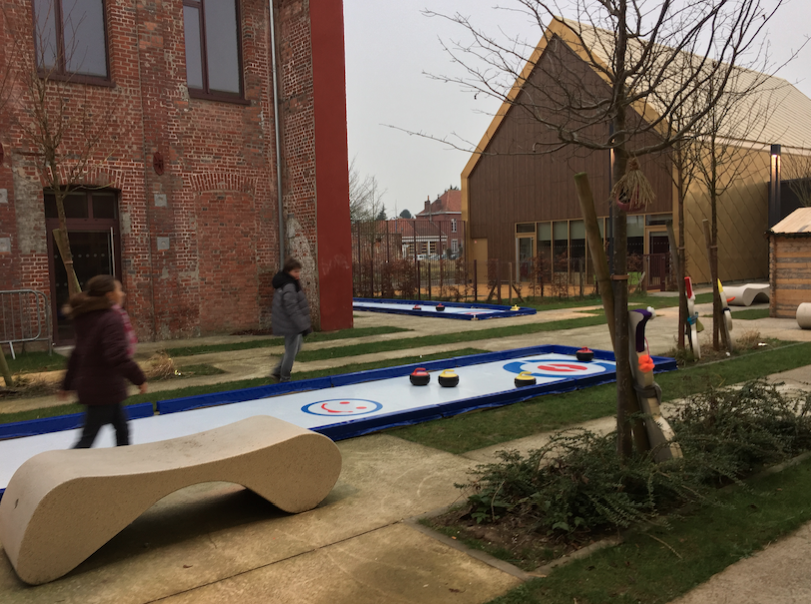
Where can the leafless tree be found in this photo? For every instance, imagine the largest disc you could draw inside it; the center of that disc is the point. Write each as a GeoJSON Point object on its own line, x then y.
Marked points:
{"type": "Point", "coordinates": [64, 125]}
{"type": "Point", "coordinates": [365, 195]}
{"type": "Point", "coordinates": [636, 48]}
{"type": "Point", "coordinates": [796, 172]}
{"type": "Point", "coordinates": [720, 149]}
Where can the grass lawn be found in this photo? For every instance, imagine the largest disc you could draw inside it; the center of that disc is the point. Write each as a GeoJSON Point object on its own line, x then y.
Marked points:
{"type": "Point", "coordinates": [448, 338]}
{"type": "Point", "coordinates": [476, 430]}
{"type": "Point", "coordinates": [542, 304]}
{"type": "Point", "coordinates": [343, 334]}
{"type": "Point", "coordinates": [154, 397]}
{"type": "Point", "coordinates": [751, 313]}
{"type": "Point", "coordinates": [644, 571]}
{"type": "Point", "coordinates": [35, 362]}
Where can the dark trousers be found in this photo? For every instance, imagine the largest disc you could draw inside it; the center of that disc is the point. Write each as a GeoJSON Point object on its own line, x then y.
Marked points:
{"type": "Point", "coordinates": [100, 415]}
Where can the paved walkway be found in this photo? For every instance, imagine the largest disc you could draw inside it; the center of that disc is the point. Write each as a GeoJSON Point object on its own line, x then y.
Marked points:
{"type": "Point", "coordinates": [216, 543]}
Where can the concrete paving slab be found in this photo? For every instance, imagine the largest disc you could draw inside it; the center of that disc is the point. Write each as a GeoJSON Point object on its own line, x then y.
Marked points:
{"type": "Point", "coordinates": [211, 532]}
{"type": "Point", "coordinates": [775, 575]}
{"type": "Point", "coordinates": [394, 564]}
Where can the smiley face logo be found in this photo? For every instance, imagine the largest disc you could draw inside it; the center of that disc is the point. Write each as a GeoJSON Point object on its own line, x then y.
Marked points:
{"type": "Point", "coordinates": [342, 407]}
{"type": "Point", "coordinates": [559, 367]}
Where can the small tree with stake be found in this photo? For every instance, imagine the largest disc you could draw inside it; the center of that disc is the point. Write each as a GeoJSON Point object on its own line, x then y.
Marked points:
{"type": "Point", "coordinates": [63, 125]}
{"type": "Point", "coordinates": [635, 47]}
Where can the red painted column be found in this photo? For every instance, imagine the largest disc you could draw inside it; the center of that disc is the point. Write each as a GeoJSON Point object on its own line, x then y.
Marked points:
{"type": "Point", "coordinates": [331, 160]}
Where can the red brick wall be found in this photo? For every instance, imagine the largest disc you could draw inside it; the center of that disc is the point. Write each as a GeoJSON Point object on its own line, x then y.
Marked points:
{"type": "Point", "coordinates": [219, 181]}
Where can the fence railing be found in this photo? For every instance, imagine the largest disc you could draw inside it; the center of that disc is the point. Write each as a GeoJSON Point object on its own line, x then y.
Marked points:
{"type": "Point", "coordinates": [408, 258]}
{"type": "Point", "coordinates": [25, 316]}
{"type": "Point", "coordinates": [418, 259]}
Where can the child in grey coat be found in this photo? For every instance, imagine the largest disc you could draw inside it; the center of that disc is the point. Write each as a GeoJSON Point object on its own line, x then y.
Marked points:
{"type": "Point", "coordinates": [290, 316]}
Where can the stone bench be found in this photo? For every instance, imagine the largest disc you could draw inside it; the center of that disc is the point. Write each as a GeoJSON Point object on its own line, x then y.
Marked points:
{"type": "Point", "coordinates": [62, 506]}
{"type": "Point", "coordinates": [804, 315]}
{"type": "Point", "coordinates": [746, 295]}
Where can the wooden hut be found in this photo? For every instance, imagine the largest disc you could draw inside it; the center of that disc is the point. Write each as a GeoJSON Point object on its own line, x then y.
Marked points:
{"type": "Point", "coordinates": [790, 263]}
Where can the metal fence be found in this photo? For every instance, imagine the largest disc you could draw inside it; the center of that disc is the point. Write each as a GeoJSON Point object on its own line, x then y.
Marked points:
{"type": "Point", "coordinates": [417, 259]}
{"type": "Point", "coordinates": [25, 316]}
{"type": "Point", "coordinates": [409, 258]}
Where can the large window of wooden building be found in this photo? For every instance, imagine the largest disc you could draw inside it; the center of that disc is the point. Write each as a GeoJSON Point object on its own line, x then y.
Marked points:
{"type": "Point", "coordinates": [561, 244]}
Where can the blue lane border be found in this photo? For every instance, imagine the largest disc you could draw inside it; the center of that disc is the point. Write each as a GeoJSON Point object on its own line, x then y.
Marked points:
{"type": "Point", "coordinates": [59, 423]}
{"type": "Point", "coordinates": [360, 426]}
{"type": "Point", "coordinates": [499, 312]}
{"type": "Point", "coordinates": [70, 422]}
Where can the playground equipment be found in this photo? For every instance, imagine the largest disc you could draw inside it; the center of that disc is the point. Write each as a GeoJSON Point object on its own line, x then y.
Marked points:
{"type": "Point", "coordinates": [649, 394]}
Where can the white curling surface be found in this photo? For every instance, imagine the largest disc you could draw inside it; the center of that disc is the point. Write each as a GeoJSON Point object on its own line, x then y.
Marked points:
{"type": "Point", "coordinates": [449, 310]}
{"type": "Point", "coordinates": [317, 408]}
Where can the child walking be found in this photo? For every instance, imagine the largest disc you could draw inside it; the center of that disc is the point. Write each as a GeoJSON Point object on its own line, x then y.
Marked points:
{"type": "Point", "coordinates": [102, 360]}
{"type": "Point", "coordinates": [290, 316]}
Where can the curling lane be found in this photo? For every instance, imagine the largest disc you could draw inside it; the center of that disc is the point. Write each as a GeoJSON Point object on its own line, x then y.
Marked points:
{"type": "Point", "coordinates": [344, 406]}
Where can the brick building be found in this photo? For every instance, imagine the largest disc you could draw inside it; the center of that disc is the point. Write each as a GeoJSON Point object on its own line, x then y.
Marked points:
{"type": "Point", "coordinates": [179, 196]}
{"type": "Point", "coordinates": [446, 213]}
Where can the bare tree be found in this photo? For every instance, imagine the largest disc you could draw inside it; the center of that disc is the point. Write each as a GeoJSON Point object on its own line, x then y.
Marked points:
{"type": "Point", "coordinates": [720, 155]}
{"type": "Point", "coordinates": [365, 195]}
{"type": "Point", "coordinates": [635, 48]}
{"type": "Point", "coordinates": [64, 125]}
{"type": "Point", "coordinates": [796, 172]}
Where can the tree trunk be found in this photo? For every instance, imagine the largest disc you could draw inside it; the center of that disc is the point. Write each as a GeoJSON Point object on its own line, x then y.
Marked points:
{"type": "Point", "coordinates": [61, 234]}
{"type": "Point", "coordinates": [680, 252]}
{"type": "Point", "coordinates": [598, 255]}
{"type": "Point", "coordinates": [627, 404]}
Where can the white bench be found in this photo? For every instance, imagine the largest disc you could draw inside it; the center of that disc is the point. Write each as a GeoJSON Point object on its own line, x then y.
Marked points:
{"type": "Point", "coordinates": [746, 295]}
{"type": "Point", "coordinates": [62, 506]}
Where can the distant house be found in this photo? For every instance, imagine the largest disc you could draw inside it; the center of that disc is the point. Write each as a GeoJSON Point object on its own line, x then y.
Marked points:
{"type": "Point", "coordinates": [521, 206]}
{"type": "Point", "coordinates": [440, 226]}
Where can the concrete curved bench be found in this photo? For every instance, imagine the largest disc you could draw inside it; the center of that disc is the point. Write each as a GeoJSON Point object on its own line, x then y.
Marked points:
{"type": "Point", "coordinates": [804, 315]}
{"type": "Point", "coordinates": [746, 295]}
{"type": "Point", "coordinates": [61, 506]}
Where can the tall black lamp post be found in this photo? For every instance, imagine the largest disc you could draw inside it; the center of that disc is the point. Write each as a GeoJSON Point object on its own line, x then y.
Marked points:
{"type": "Point", "coordinates": [774, 186]}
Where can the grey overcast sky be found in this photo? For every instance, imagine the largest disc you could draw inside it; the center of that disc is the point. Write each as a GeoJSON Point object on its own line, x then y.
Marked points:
{"type": "Point", "coordinates": [389, 47]}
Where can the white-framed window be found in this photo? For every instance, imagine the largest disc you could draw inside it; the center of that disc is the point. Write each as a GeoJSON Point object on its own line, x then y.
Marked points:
{"type": "Point", "coordinates": [453, 225]}
{"type": "Point", "coordinates": [454, 244]}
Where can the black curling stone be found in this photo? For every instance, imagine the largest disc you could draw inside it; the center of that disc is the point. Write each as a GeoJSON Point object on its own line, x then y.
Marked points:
{"type": "Point", "coordinates": [448, 379]}
{"type": "Point", "coordinates": [584, 355]}
{"type": "Point", "coordinates": [420, 377]}
{"type": "Point", "coordinates": [525, 379]}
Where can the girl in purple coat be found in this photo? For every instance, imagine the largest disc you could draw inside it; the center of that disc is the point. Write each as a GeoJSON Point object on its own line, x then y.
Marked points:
{"type": "Point", "coordinates": [101, 362]}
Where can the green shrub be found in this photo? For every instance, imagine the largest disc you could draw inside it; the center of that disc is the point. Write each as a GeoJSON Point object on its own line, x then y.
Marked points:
{"type": "Point", "coordinates": [578, 483]}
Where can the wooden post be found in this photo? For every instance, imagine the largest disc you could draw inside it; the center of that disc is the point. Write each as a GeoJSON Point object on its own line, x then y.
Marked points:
{"type": "Point", "coordinates": [582, 275]}
{"type": "Point", "coordinates": [677, 269]}
{"type": "Point", "coordinates": [596, 247]}
{"type": "Point", "coordinates": [712, 252]}
{"type": "Point", "coordinates": [429, 280]}
{"type": "Point", "coordinates": [510, 282]}
{"type": "Point", "coordinates": [4, 370]}
{"type": "Point", "coordinates": [475, 280]}
{"type": "Point", "coordinates": [498, 279]}
{"type": "Point", "coordinates": [419, 281]}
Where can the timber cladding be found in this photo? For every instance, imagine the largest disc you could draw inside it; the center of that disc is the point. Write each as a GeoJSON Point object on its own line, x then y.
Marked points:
{"type": "Point", "coordinates": [790, 278]}
{"type": "Point", "coordinates": [525, 176]}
